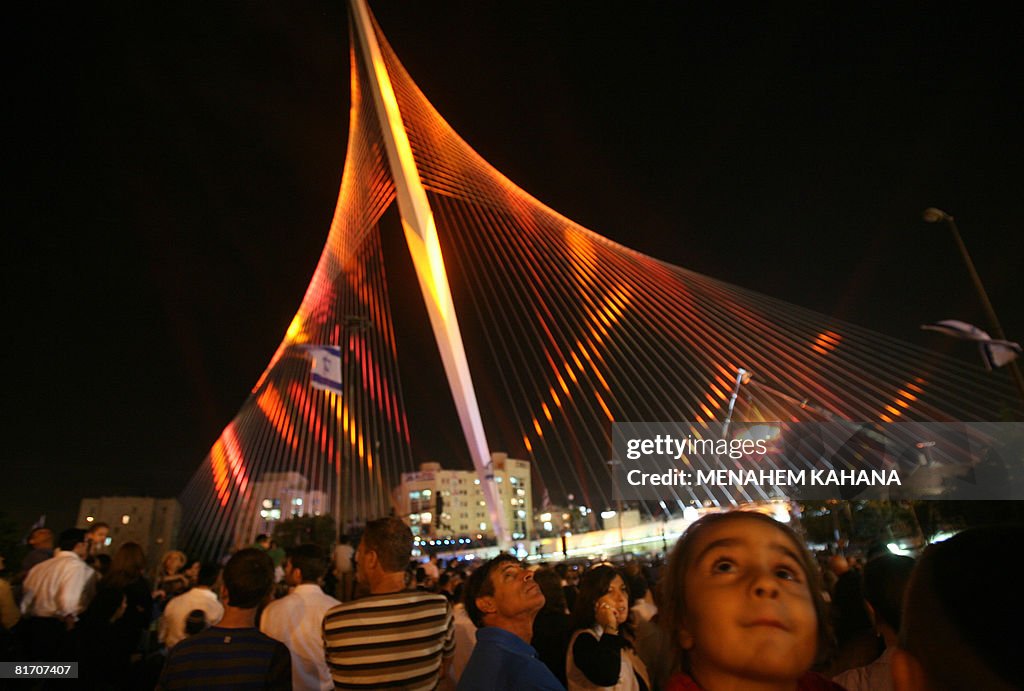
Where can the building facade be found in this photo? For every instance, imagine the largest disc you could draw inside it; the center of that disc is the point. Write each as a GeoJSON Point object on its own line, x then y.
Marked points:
{"type": "Point", "coordinates": [150, 521]}
{"type": "Point", "coordinates": [277, 497]}
{"type": "Point", "coordinates": [439, 503]}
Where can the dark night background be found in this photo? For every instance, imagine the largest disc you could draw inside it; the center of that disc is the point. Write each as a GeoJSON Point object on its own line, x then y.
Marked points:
{"type": "Point", "coordinates": [173, 172]}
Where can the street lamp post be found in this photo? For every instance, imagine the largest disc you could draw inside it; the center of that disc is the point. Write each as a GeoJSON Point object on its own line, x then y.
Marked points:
{"type": "Point", "coordinates": [933, 215]}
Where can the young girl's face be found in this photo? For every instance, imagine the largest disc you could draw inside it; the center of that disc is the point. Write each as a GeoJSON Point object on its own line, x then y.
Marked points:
{"type": "Point", "coordinates": [749, 612]}
{"type": "Point", "coordinates": [616, 599]}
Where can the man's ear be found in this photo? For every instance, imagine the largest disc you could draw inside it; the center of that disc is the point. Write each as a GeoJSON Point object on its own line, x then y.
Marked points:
{"type": "Point", "coordinates": [907, 672]}
{"type": "Point", "coordinates": [487, 604]}
{"type": "Point", "coordinates": [223, 594]}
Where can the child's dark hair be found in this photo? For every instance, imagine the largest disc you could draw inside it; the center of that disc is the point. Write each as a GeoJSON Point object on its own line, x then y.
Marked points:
{"type": "Point", "coordinates": [672, 605]}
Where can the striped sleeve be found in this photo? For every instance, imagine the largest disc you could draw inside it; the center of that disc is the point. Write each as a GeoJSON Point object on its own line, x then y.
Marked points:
{"type": "Point", "coordinates": [449, 639]}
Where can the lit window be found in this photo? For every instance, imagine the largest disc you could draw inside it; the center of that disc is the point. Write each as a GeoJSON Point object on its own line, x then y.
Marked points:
{"type": "Point", "coordinates": [483, 526]}
{"type": "Point", "coordinates": [89, 519]}
{"type": "Point", "coordinates": [125, 519]}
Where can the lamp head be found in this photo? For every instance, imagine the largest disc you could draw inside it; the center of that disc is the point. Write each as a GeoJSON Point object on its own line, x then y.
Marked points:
{"type": "Point", "coordinates": [933, 215]}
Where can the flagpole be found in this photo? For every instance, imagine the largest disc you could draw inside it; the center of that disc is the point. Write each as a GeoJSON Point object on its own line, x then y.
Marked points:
{"type": "Point", "coordinates": [933, 215]}
{"type": "Point", "coordinates": [340, 446]}
{"type": "Point", "coordinates": [328, 373]}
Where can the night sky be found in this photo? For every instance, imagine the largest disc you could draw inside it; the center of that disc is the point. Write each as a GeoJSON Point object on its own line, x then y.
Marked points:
{"type": "Point", "coordinates": [173, 173]}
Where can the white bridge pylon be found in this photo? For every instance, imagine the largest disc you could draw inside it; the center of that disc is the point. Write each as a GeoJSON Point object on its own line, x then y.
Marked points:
{"type": "Point", "coordinates": [421, 236]}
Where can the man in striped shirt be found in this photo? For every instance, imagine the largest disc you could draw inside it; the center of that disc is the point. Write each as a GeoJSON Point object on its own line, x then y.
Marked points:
{"type": "Point", "coordinates": [395, 638]}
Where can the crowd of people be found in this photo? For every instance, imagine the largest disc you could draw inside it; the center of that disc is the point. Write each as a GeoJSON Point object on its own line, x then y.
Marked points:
{"type": "Point", "coordinates": [739, 603]}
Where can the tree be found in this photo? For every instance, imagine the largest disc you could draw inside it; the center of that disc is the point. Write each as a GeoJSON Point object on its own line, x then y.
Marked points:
{"type": "Point", "coordinates": [861, 523]}
{"type": "Point", "coordinates": [304, 530]}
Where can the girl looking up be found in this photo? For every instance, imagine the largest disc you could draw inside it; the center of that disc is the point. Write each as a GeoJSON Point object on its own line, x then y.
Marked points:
{"type": "Point", "coordinates": [742, 603]}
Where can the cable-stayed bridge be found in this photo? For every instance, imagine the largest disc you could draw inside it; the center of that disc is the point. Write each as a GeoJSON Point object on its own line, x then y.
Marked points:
{"type": "Point", "coordinates": [575, 330]}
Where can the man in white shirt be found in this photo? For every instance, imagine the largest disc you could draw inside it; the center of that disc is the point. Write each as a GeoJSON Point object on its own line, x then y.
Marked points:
{"type": "Point", "coordinates": [465, 640]}
{"type": "Point", "coordinates": [171, 627]}
{"type": "Point", "coordinates": [54, 593]}
{"type": "Point", "coordinates": [344, 568]}
{"type": "Point", "coordinates": [296, 619]}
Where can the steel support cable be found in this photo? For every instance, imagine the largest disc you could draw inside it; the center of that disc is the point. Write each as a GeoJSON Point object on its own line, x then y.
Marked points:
{"type": "Point", "coordinates": [514, 287]}
{"type": "Point", "coordinates": [389, 357]}
{"type": "Point", "coordinates": [630, 330]}
{"type": "Point", "coordinates": [562, 319]}
{"type": "Point", "coordinates": [620, 328]}
{"type": "Point", "coordinates": [541, 393]}
{"type": "Point", "coordinates": [225, 525]}
{"type": "Point", "coordinates": [465, 267]}
{"type": "Point", "coordinates": [553, 323]}
{"type": "Point", "coordinates": [743, 354]}
{"type": "Point", "coordinates": [887, 347]}
{"type": "Point", "coordinates": [884, 363]}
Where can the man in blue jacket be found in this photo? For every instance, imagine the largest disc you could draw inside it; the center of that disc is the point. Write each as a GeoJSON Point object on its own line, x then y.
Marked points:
{"type": "Point", "coordinates": [503, 600]}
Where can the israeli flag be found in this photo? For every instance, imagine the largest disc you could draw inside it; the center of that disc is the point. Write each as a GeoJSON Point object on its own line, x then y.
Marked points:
{"type": "Point", "coordinates": [994, 352]}
{"type": "Point", "coordinates": [325, 374]}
